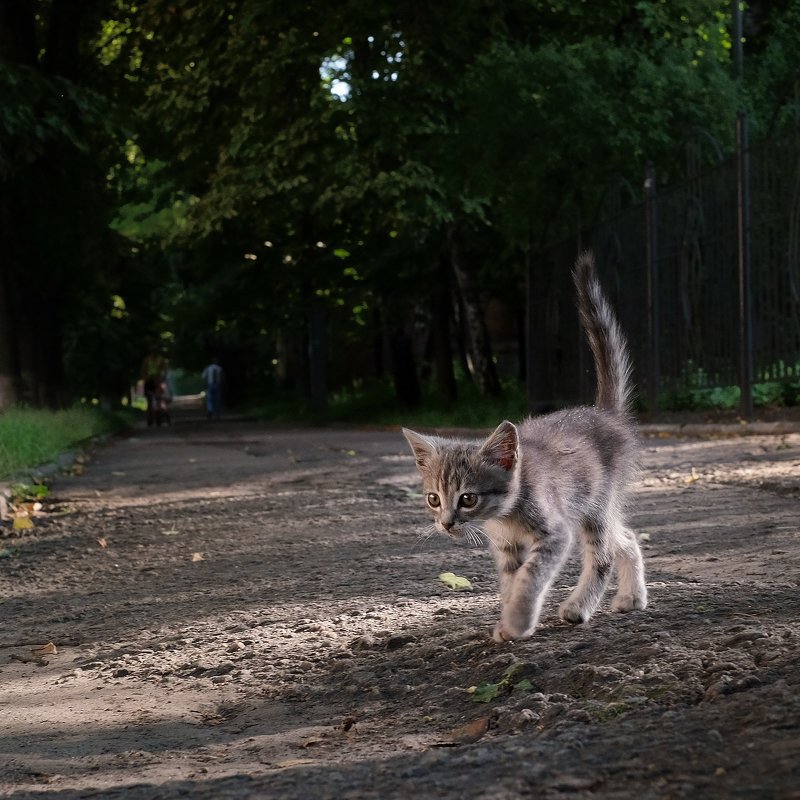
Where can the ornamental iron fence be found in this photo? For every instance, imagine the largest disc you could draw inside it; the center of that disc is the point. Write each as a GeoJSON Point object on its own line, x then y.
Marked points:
{"type": "Point", "coordinates": [705, 279]}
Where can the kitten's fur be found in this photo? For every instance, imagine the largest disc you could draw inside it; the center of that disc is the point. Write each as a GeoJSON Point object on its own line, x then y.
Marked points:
{"type": "Point", "coordinates": [532, 488]}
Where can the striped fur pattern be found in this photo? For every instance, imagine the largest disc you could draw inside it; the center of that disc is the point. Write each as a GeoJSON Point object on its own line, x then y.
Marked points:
{"type": "Point", "coordinates": [537, 488]}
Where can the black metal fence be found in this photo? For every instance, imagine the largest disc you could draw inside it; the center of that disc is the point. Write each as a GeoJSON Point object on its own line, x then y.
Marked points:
{"type": "Point", "coordinates": [705, 278]}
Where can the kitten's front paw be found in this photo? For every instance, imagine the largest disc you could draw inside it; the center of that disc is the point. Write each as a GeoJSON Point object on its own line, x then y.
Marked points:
{"type": "Point", "coordinates": [622, 603]}
{"type": "Point", "coordinates": [573, 613]}
{"type": "Point", "coordinates": [504, 632]}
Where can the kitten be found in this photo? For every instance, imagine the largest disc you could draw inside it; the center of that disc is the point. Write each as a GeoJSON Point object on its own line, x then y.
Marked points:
{"type": "Point", "coordinates": [533, 487]}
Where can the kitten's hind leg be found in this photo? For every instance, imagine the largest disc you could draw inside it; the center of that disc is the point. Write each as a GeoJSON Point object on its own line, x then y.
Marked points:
{"type": "Point", "coordinates": [631, 590]}
{"type": "Point", "coordinates": [598, 558]}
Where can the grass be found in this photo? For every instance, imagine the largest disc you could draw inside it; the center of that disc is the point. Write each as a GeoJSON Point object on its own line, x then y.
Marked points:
{"type": "Point", "coordinates": [29, 437]}
{"type": "Point", "coordinates": [374, 403]}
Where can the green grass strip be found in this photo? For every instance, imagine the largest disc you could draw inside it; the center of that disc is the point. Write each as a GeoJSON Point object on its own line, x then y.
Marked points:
{"type": "Point", "coordinates": [29, 437]}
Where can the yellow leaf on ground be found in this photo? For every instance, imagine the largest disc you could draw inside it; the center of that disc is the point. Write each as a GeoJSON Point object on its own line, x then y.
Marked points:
{"type": "Point", "coordinates": [22, 523]}
{"type": "Point", "coordinates": [48, 649]}
{"type": "Point", "coordinates": [198, 557]}
{"type": "Point", "coordinates": [101, 540]}
{"type": "Point", "coordinates": [692, 478]}
{"type": "Point", "coordinates": [454, 581]}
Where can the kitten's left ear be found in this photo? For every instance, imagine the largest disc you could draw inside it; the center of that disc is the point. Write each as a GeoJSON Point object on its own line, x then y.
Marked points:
{"type": "Point", "coordinates": [502, 446]}
{"type": "Point", "coordinates": [423, 446]}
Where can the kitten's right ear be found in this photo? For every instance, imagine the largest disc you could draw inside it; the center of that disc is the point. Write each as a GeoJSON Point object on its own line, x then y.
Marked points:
{"type": "Point", "coordinates": [502, 447]}
{"type": "Point", "coordinates": [423, 447]}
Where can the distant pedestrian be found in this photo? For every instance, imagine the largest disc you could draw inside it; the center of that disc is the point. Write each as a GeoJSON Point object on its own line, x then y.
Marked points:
{"type": "Point", "coordinates": [157, 387]}
{"type": "Point", "coordinates": [212, 377]}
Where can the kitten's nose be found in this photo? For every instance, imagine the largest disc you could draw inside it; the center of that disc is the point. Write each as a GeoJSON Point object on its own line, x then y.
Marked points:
{"type": "Point", "coordinates": [448, 525]}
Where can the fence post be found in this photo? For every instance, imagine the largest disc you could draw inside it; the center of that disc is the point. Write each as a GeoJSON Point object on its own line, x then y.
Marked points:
{"type": "Point", "coordinates": [745, 267]}
{"type": "Point", "coordinates": [653, 322]}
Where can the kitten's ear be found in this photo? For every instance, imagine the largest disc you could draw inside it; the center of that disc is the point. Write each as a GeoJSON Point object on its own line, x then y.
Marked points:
{"type": "Point", "coordinates": [423, 446]}
{"type": "Point", "coordinates": [502, 446]}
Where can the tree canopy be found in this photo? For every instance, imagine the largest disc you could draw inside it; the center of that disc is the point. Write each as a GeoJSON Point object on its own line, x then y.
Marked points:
{"type": "Point", "coordinates": [217, 176]}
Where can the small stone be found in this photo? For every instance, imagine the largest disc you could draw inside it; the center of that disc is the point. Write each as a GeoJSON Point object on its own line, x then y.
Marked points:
{"type": "Point", "coordinates": [365, 642]}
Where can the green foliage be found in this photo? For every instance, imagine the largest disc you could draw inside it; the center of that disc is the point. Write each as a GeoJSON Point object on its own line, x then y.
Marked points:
{"type": "Point", "coordinates": [727, 398]}
{"type": "Point", "coordinates": [28, 492]}
{"type": "Point", "coordinates": [29, 437]}
{"type": "Point", "coordinates": [771, 67]}
{"type": "Point", "coordinates": [39, 111]}
{"type": "Point", "coordinates": [504, 118]}
{"type": "Point", "coordinates": [719, 398]}
{"type": "Point", "coordinates": [193, 160]}
{"type": "Point", "coordinates": [511, 680]}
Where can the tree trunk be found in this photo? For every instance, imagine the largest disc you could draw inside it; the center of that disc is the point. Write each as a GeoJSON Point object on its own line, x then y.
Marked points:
{"type": "Point", "coordinates": [441, 316]}
{"type": "Point", "coordinates": [9, 373]}
{"type": "Point", "coordinates": [404, 368]}
{"type": "Point", "coordinates": [39, 238]}
{"type": "Point", "coordinates": [480, 349]}
{"type": "Point", "coordinates": [318, 357]}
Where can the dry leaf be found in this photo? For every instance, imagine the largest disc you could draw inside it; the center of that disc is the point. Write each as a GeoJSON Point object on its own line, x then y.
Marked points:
{"type": "Point", "coordinates": [198, 557]}
{"type": "Point", "coordinates": [22, 523]}
{"type": "Point", "coordinates": [48, 649]}
{"type": "Point", "coordinates": [692, 478]}
{"type": "Point", "coordinates": [312, 742]}
{"type": "Point", "coordinates": [471, 732]}
{"type": "Point", "coordinates": [467, 734]}
{"type": "Point", "coordinates": [101, 540]}
{"type": "Point", "coordinates": [295, 762]}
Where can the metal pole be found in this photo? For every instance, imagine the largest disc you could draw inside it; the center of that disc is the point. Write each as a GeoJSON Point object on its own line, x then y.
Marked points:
{"type": "Point", "coordinates": [653, 310]}
{"type": "Point", "coordinates": [745, 267]}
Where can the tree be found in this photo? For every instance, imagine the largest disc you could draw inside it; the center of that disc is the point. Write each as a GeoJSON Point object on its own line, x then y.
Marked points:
{"type": "Point", "coordinates": [55, 128]}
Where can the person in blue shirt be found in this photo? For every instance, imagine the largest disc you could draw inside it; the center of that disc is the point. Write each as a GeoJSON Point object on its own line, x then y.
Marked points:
{"type": "Point", "coordinates": [212, 377]}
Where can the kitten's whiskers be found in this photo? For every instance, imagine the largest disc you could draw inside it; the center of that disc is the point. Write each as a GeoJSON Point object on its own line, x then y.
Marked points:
{"type": "Point", "coordinates": [425, 534]}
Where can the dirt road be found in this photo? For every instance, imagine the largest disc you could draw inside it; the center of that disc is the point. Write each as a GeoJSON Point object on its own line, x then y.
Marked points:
{"type": "Point", "coordinates": [243, 612]}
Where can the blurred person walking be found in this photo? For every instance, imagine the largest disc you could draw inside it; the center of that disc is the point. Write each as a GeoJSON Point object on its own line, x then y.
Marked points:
{"type": "Point", "coordinates": [212, 377]}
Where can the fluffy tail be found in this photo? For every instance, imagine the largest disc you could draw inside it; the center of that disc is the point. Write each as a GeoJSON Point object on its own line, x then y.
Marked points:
{"type": "Point", "coordinates": [610, 350]}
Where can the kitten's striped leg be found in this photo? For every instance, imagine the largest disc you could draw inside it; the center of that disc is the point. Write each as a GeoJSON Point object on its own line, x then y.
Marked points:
{"type": "Point", "coordinates": [525, 592]}
{"type": "Point", "coordinates": [632, 589]}
{"type": "Point", "coordinates": [598, 558]}
{"type": "Point", "coordinates": [508, 558]}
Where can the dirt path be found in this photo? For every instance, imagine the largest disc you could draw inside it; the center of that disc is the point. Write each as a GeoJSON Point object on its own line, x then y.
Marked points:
{"type": "Point", "coordinates": [264, 622]}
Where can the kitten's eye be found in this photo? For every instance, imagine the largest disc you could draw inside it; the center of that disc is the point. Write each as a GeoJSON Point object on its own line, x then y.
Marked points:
{"type": "Point", "coordinates": [433, 500]}
{"type": "Point", "coordinates": [468, 500]}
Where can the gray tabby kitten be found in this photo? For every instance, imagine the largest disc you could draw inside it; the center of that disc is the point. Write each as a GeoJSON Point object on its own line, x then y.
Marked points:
{"type": "Point", "coordinates": [532, 488]}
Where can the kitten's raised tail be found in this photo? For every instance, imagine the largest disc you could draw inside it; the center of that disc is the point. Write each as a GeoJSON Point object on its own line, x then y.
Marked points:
{"type": "Point", "coordinates": [610, 350]}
